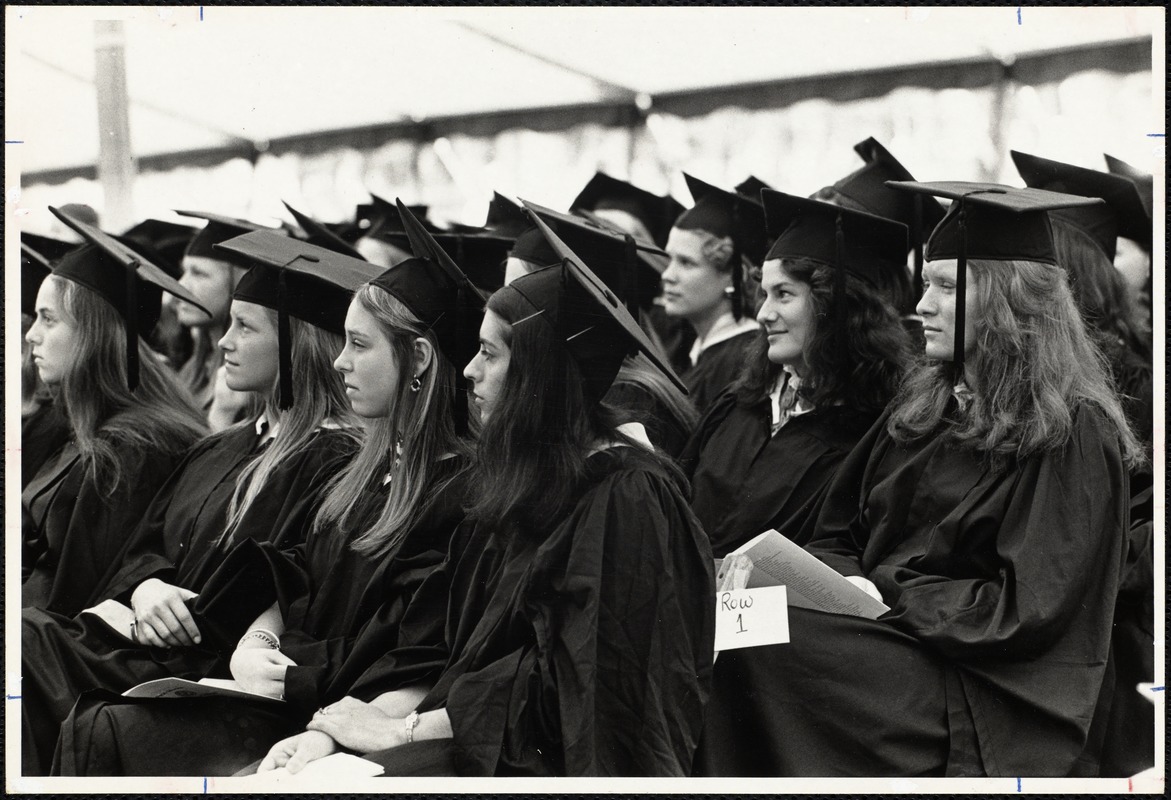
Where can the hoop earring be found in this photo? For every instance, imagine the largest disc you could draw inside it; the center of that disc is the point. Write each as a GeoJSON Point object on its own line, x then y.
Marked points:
{"type": "Point", "coordinates": [416, 384]}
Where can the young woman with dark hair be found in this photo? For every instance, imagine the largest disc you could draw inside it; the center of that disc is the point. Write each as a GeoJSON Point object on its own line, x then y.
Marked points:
{"type": "Point", "coordinates": [831, 358]}
{"type": "Point", "coordinates": [382, 529]}
{"type": "Point", "coordinates": [988, 508]}
{"type": "Point", "coordinates": [261, 479]}
{"type": "Point", "coordinates": [828, 361]}
{"type": "Point", "coordinates": [580, 618]}
{"type": "Point", "coordinates": [129, 420]}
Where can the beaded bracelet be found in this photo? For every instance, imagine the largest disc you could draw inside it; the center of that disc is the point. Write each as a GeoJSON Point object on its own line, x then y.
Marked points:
{"type": "Point", "coordinates": [268, 637]}
{"type": "Point", "coordinates": [409, 722]}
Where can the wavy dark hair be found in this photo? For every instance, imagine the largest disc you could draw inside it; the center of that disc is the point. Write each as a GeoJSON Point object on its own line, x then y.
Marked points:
{"type": "Point", "coordinates": [532, 449]}
{"type": "Point", "coordinates": [1033, 364]}
{"type": "Point", "coordinates": [865, 374]}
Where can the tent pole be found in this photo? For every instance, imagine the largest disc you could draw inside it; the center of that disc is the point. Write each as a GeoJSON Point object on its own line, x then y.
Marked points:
{"type": "Point", "coordinates": [116, 167]}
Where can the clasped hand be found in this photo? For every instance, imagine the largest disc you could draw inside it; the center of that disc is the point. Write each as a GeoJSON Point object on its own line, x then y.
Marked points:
{"type": "Point", "coordinates": [163, 617]}
{"type": "Point", "coordinates": [261, 670]}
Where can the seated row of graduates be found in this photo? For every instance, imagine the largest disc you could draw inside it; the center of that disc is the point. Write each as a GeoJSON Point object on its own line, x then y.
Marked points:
{"type": "Point", "coordinates": [530, 593]}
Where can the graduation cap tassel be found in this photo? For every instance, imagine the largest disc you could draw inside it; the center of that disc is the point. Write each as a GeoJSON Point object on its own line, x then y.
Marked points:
{"type": "Point", "coordinates": [840, 321]}
{"type": "Point", "coordinates": [737, 270]}
{"type": "Point", "coordinates": [630, 277]}
{"type": "Point", "coordinates": [917, 240]}
{"type": "Point", "coordinates": [461, 383]}
{"type": "Point", "coordinates": [284, 347]}
{"type": "Point", "coordinates": [961, 291]}
{"type": "Point", "coordinates": [132, 326]}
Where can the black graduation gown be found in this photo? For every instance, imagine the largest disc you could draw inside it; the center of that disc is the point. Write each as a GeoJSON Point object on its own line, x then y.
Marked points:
{"type": "Point", "coordinates": [180, 542]}
{"type": "Point", "coordinates": [42, 434]}
{"type": "Point", "coordinates": [745, 480]}
{"type": "Point", "coordinates": [993, 656]}
{"type": "Point", "coordinates": [716, 367]}
{"type": "Point", "coordinates": [1130, 735]}
{"type": "Point", "coordinates": [330, 596]}
{"type": "Point", "coordinates": [586, 648]}
{"type": "Point", "coordinates": [73, 529]}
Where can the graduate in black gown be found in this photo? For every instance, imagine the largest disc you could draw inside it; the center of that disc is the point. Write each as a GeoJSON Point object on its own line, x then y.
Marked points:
{"type": "Point", "coordinates": [211, 278]}
{"type": "Point", "coordinates": [711, 246]}
{"type": "Point", "coordinates": [1086, 242]}
{"type": "Point", "coordinates": [629, 270]}
{"type": "Point", "coordinates": [382, 528]}
{"type": "Point", "coordinates": [580, 620]}
{"type": "Point", "coordinates": [43, 430]}
{"type": "Point", "coordinates": [988, 508]}
{"type": "Point", "coordinates": [830, 358]}
{"type": "Point", "coordinates": [259, 480]}
{"type": "Point", "coordinates": [130, 421]}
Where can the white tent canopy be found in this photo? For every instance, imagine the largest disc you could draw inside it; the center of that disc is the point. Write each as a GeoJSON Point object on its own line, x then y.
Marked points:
{"type": "Point", "coordinates": [208, 77]}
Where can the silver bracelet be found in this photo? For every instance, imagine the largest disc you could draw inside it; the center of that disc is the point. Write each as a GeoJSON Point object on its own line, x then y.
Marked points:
{"type": "Point", "coordinates": [268, 637]}
{"type": "Point", "coordinates": [409, 722]}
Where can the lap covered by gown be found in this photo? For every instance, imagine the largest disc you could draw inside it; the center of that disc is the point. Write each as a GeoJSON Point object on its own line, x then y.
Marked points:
{"type": "Point", "coordinates": [211, 736]}
{"type": "Point", "coordinates": [823, 705]}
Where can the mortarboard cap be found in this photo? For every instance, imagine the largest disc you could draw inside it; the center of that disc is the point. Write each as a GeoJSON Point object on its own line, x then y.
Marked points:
{"type": "Point", "coordinates": [991, 222]}
{"type": "Point", "coordinates": [506, 217]}
{"type": "Point", "coordinates": [219, 228]}
{"type": "Point", "coordinates": [163, 242]}
{"type": "Point", "coordinates": [125, 279]}
{"type": "Point", "coordinates": [298, 279]}
{"type": "Point", "coordinates": [465, 327]}
{"type": "Point", "coordinates": [52, 249]}
{"type": "Point", "coordinates": [587, 316]}
{"type": "Point", "coordinates": [533, 247]}
{"type": "Point", "coordinates": [1124, 213]}
{"type": "Point", "coordinates": [477, 252]}
{"type": "Point", "coordinates": [656, 213]}
{"type": "Point", "coordinates": [728, 214]}
{"type": "Point", "coordinates": [751, 187]}
{"type": "Point", "coordinates": [317, 234]}
{"type": "Point", "coordinates": [623, 263]}
{"type": "Point", "coordinates": [809, 229]}
{"type": "Point", "coordinates": [1143, 180]}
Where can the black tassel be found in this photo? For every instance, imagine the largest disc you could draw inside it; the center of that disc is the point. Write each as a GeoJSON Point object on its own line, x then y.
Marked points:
{"type": "Point", "coordinates": [917, 241]}
{"type": "Point", "coordinates": [630, 276]}
{"type": "Point", "coordinates": [961, 292]}
{"type": "Point", "coordinates": [132, 326]}
{"type": "Point", "coordinates": [840, 321]}
{"type": "Point", "coordinates": [461, 383]}
{"type": "Point", "coordinates": [284, 347]}
{"type": "Point", "coordinates": [737, 267]}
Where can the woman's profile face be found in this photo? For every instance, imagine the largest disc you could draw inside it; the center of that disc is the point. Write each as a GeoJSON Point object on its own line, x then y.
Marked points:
{"type": "Point", "coordinates": [937, 307]}
{"type": "Point", "coordinates": [251, 350]}
{"type": "Point", "coordinates": [489, 368]}
{"type": "Point", "coordinates": [53, 336]}
{"type": "Point", "coordinates": [693, 288]}
{"type": "Point", "coordinates": [368, 364]}
{"type": "Point", "coordinates": [787, 315]}
{"type": "Point", "coordinates": [210, 281]}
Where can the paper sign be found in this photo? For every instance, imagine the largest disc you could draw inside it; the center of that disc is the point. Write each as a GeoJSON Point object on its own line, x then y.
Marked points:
{"type": "Point", "coordinates": [751, 617]}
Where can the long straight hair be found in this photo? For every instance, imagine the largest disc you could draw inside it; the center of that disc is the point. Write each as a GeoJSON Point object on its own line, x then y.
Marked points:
{"type": "Point", "coordinates": [420, 423]}
{"type": "Point", "coordinates": [639, 371]}
{"type": "Point", "coordinates": [1033, 365]}
{"type": "Point", "coordinates": [103, 414]}
{"type": "Point", "coordinates": [865, 374]}
{"type": "Point", "coordinates": [320, 397]}
{"type": "Point", "coordinates": [531, 458]}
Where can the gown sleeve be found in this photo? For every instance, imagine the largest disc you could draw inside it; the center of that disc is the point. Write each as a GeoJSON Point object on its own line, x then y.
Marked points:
{"type": "Point", "coordinates": [84, 537]}
{"type": "Point", "coordinates": [1062, 530]}
{"type": "Point", "coordinates": [617, 661]}
{"type": "Point", "coordinates": [841, 531]}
